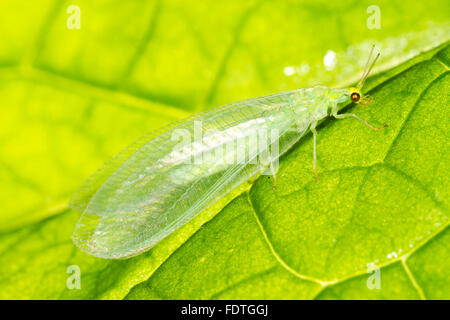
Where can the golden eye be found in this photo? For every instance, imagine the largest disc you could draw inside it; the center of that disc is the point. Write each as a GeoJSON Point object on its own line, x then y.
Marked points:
{"type": "Point", "coordinates": [355, 96]}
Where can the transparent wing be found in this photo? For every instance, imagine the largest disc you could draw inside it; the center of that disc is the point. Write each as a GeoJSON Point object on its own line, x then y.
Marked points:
{"type": "Point", "coordinates": [158, 183]}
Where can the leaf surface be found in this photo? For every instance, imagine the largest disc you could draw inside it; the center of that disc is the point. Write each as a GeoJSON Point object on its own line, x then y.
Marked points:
{"type": "Point", "coordinates": [71, 99]}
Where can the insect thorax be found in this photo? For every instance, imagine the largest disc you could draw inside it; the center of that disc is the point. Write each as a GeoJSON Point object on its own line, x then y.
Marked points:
{"type": "Point", "coordinates": [315, 103]}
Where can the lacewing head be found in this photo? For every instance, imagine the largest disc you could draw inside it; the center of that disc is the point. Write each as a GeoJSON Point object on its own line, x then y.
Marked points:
{"type": "Point", "coordinates": [355, 93]}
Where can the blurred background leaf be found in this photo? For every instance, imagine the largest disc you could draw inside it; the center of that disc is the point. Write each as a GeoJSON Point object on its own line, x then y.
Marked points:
{"type": "Point", "coordinates": [70, 99]}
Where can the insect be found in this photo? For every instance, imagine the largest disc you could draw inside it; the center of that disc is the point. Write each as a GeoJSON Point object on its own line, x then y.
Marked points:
{"type": "Point", "coordinates": [162, 181]}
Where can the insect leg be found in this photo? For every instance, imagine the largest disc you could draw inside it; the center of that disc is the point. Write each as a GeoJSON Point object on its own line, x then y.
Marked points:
{"type": "Point", "coordinates": [347, 115]}
{"type": "Point", "coordinates": [274, 174]}
{"type": "Point", "coordinates": [314, 131]}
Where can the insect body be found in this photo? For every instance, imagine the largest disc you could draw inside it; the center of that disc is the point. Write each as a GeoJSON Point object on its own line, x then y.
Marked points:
{"type": "Point", "coordinates": [165, 179]}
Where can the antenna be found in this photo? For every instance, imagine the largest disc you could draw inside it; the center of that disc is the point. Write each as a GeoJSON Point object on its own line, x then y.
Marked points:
{"type": "Point", "coordinates": [367, 71]}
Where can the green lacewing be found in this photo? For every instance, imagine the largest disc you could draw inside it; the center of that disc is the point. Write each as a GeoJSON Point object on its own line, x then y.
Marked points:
{"type": "Point", "coordinates": [159, 183]}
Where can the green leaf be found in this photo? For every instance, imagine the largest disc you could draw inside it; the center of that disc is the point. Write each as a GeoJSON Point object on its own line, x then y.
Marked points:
{"type": "Point", "coordinates": [382, 199]}
{"type": "Point", "coordinates": [73, 98]}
